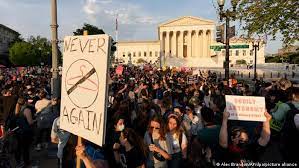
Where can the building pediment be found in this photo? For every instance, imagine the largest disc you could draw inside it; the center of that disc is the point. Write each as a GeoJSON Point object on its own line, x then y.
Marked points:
{"type": "Point", "coordinates": [187, 21]}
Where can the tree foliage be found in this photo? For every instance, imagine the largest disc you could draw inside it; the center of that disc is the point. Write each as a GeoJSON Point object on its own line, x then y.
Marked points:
{"type": "Point", "coordinates": [92, 30]}
{"type": "Point", "coordinates": [23, 54]}
{"type": "Point", "coordinates": [270, 17]}
{"type": "Point", "coordinates": [31, 52]}
{"type": "Point", "coordinates": [292, 58]}
{"type": "Point", "coordinates": [43, 48]}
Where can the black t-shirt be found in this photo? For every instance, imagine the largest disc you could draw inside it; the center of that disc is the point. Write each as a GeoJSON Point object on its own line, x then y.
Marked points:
{"type": "Point", "coordinates": [132, 158]}
{"type": "Point", "coordinates": [251, 152]}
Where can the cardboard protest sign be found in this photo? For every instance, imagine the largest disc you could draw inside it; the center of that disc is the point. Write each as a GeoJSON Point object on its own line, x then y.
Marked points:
{"type": "Point", "coordinates": [119, 70]}
{"type": "Point", "coordinates": [192, 79]}
{"type": "Point", "coordinates": [84, 86]}
{"type": "Point", "coordinates": [248, 108]}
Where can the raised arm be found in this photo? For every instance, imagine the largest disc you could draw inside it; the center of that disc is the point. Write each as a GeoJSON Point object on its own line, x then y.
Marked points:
{"type": "Point", "coordinates": [123, 89]}
{"type": "Point", "coordinates": [265, 134]}
{"type": "Point", "coordinates": [223, 137]}
{"type": "Point", "coordinates": [88, 162]}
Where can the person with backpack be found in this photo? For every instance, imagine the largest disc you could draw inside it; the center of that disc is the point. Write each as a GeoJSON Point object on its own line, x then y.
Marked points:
{"type": "Point", "coordinates": [280, 112]}
{"type": "Point", "coordinates": [44, 119]}
{"type": "Point", "coordinates": [23, 120]}
{"type": "Point", "coordinates": [290, 131]}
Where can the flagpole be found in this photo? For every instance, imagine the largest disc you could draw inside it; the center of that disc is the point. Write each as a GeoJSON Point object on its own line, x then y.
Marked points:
{"type": "Point", "coordinates": [116, 36]}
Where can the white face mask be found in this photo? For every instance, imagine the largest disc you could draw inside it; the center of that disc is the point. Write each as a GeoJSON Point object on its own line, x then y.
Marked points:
{"type": "Point", "coordinates": [121, 127]}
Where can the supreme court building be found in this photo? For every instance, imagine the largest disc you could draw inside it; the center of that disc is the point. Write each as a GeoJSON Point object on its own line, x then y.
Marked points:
{"type": "Point", "coordinates": [187, 41]}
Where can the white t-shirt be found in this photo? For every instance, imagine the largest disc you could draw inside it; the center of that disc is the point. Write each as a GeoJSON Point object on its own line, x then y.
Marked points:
{"type": "Point", "coordinates": [163, 144]}
{"type": "Point", "coordinates": [175, 144]}
{"type": "Point", "coordinates": [62, 136]}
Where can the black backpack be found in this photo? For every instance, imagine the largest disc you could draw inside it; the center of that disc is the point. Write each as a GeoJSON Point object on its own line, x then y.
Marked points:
{"type": "Point", "coordinates": [20, 121]}
{"type": "Point", "coordinates": [46, 117]}
{"type": "Point", "coordinates": [290, 135]}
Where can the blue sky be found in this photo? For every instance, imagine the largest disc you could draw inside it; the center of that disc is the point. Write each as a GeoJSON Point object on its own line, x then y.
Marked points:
{"type": "Point", "coordinates": [137, 19]}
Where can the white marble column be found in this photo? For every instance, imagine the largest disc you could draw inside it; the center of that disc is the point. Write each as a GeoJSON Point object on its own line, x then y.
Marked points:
{"type": "Point", "coordinates": [197, 43]}
{"type": "Point", "coordinates": [167, 44]}
{"type": "Point", "coordinates": [162, 43]}
{"type": "Point", "coordinates": [208, 42]}
{"type": "Point", "coordinates": [204, 46]}
{"type": "Point", "coordinates": [181, 45]}
{"type": "Point", "coordinates": [193, 42]}
{"type": "Point", "coordinates": [189, 44]}
{"type": "Point", "coordinates": [201, 43]}
{"type": "Point", "coordinates": [174, 49]}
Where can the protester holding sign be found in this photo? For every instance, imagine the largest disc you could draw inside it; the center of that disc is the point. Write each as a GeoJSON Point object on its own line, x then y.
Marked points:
{"type": "Point", "coordinates": [238, 146]}
{"type": "Point", "coordinates": [88, 160]}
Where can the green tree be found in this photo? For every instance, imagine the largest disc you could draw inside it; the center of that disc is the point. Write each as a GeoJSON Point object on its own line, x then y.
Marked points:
{"type": "Point", "coordinates": [42, 47]}
{"type": "Point", "coordinates": [92, 30]}
{"type": "Point", "coordinates": [23, 54]}
{"type": "Point", "coordinates": [270, 17]}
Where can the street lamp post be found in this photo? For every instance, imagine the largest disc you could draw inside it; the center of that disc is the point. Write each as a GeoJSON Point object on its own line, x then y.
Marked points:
{"type": "Point", "coordinates": [40, 55]}
{"type": "Point", "coordinates": [55, 81]}
{"type": "Point", "coordinates": [256, 47]}
{"type": "Point", "coordinates": [227, 15]}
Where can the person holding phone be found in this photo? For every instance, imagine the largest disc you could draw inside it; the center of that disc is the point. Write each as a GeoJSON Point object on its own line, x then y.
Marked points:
{"type": "Point", "coordinates": [158, 144]}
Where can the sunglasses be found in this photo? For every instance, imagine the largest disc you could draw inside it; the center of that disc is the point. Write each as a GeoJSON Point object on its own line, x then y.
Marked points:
{"type": "Point", "coordinates": [157, 128]}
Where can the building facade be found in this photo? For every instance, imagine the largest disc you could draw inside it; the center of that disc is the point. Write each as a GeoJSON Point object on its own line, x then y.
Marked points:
{"type": "Point", "coordinates": [186, 41]}
{"type": "Point", "coordinates": [7, 35]}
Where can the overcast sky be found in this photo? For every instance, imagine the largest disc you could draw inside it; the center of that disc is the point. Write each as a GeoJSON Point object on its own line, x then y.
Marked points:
{"type": "Point", "coordinates": [137, 19]}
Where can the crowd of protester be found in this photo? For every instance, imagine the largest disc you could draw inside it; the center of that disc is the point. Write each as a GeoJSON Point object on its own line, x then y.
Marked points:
{"type": "Point", "coordinates": [155, 118]}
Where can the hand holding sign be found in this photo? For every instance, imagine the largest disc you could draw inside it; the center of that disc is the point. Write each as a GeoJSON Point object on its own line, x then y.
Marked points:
{"type": "Point", "coordinates": [248, 108]}
{"type": "Point", "coordinates": [225, 115]}
{"type": "Point", "coordinates": [268, 116]}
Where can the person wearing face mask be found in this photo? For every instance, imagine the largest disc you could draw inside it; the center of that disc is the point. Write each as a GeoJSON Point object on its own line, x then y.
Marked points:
{"type": "Point", "coordinates": [119, 126]}
{"type": "Point", "coordinates": [158, 143]}
{"type": "Point", "coordinates": [134, 153]}
{"type": "Point", "coordinates": [238, 147]}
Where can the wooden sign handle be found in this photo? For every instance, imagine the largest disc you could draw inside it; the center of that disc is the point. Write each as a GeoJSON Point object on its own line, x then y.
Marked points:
{"type": "Point", "coordinates": [79, 141]}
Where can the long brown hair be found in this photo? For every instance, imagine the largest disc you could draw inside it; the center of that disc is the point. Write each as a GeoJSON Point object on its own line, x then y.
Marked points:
{"type": "Point", "coordinates": [20, 103]}
{"type": "Point", "coordinates": [178, 129]}
{"type": "Point", "coordinates": [135, 140]}
{"type": "Point", "coordinates": [159, 120]}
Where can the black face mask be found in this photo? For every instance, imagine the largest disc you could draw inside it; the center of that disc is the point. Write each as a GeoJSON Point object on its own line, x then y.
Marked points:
{"type": "Point", "coordinates": [242, 145]}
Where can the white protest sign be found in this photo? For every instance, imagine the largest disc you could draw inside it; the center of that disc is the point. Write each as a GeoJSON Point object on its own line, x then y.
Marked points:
{"type": "Point", "coordinates": [84, 86]}
{"type": "Point", "coordinates": [248, 108]}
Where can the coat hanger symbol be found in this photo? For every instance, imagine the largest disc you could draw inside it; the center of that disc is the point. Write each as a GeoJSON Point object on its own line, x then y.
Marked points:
{"type": "Point", "coordinates": [72, 81]}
